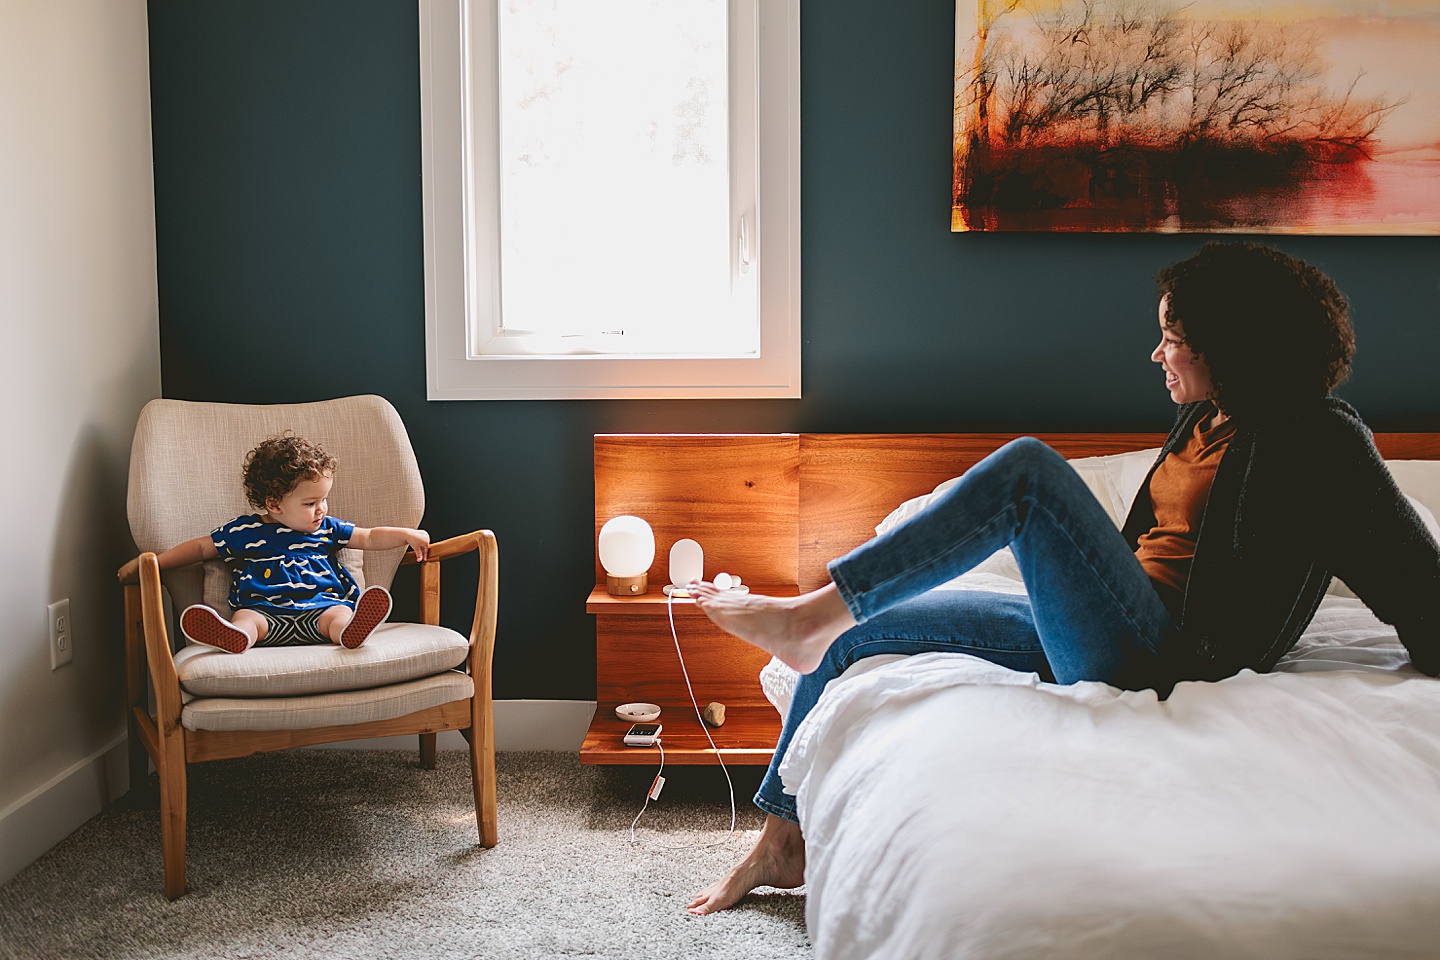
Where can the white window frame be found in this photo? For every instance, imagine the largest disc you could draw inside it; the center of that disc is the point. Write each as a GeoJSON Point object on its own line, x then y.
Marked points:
{"type": "Point", "coordinates": [460, 160]}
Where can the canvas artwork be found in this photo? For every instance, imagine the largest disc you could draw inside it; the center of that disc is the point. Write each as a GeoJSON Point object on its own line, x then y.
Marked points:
{"type": "Point", "coordinates": [1256, 116]}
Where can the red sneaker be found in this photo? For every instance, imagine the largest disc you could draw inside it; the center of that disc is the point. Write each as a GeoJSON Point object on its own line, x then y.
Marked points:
{"type": "Point", "coordinates": [370, 611]}
{"type": "Point", "coordinates": [201, 624]}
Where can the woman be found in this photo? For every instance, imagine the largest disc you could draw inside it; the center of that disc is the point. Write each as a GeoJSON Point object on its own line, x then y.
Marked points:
{"type": "Point", "coordinates": [1266, 487]}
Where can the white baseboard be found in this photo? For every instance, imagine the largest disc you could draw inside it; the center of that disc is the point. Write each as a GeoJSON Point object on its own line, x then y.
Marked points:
{"type": "Point", "coordinates": [52, 811]}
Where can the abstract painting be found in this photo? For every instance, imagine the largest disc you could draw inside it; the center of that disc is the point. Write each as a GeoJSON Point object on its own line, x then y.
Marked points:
{"type": "Point", "coordinates": [1255, 116]}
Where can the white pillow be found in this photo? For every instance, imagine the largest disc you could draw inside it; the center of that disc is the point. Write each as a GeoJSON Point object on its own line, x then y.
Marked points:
{"type": "Point", "coordinates": [1127, 472]}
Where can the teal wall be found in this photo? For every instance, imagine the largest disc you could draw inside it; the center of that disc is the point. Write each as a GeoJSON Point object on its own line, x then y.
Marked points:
{"type": "Point", "coordinates": [287, 180]}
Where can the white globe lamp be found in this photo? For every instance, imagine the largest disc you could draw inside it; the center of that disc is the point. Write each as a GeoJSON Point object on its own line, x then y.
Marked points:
{"type": "Point", "coordinates": [627, 548]}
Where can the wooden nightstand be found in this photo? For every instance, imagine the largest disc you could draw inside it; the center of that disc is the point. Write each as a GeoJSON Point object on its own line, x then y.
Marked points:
{"type": "Point", "coordinates": [636, 661]}
{"type": "Point", "coordinates": [738, 497]}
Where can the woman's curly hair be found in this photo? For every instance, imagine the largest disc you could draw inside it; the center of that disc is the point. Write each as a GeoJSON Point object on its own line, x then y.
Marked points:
{"type": "Point", "coordinates": [275, 467]}
{"type": "Point", "coordinates": [1274, 330]}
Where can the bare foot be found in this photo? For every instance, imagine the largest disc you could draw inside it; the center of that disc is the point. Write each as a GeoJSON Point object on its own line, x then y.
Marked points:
{"type": "Point", "coordinates": [778, 860]}
{"type": "Point", "coordinates": [798, 630]}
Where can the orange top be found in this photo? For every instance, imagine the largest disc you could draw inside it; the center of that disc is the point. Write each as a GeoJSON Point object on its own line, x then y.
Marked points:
{"type": "Point", "coordinates": [1179, 488]}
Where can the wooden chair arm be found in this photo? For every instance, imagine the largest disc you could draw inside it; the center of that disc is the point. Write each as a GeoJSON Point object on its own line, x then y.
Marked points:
{"type": "Point", "coordinates": [482, 626]}
{"type": "Point", "coordinates": [487, 592]}
{"type": "Point", "coordinates": [158, 656]}
{"type": "Point", "coordinates": [134, 578]}
{"type": "Point", "coordinates": [131, 581]}
{"type": "Point", "coordinates": [445, 549]}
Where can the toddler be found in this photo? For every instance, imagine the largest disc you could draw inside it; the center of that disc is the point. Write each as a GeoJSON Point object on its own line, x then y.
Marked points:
{"type": "Point", "coordinates": [287, 583]}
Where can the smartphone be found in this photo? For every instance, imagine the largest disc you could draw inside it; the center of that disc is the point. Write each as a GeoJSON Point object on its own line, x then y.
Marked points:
{"type": "Point", "coordinates": [642, 735]}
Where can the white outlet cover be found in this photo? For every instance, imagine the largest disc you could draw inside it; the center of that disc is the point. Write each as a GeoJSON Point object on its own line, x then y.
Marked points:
{"type": "Point", "coordinates": [62, 634]}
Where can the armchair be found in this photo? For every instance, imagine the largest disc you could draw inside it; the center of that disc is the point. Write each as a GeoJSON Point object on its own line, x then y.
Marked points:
{"type": "Point", "coordinates": [209, 705]}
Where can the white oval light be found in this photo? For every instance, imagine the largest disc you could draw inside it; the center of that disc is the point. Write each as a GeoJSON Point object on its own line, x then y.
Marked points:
{"type": "Point", "coordinates": [687, 562]}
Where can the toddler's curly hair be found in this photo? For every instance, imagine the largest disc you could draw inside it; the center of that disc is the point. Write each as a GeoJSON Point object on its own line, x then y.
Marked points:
{"type": "Point", "coordinates": [275, 467]}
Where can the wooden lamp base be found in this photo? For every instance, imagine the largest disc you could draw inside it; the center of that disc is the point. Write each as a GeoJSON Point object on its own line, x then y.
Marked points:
{"type": "Point", "coordinates": [627, 586]}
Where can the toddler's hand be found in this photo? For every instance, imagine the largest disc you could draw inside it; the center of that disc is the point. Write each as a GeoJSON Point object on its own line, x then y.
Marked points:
{"type": "Point", "coordinates": [129, 571]}
{"type": "Point", "coordinates": [419, 541]}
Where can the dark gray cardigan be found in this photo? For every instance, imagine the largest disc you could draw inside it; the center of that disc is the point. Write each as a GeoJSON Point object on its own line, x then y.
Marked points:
{"type": "Point", "coordinates": [1298, 496]}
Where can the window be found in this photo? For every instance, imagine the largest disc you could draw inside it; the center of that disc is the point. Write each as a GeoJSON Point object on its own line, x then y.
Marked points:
{"type": "Point", "coordinates": [611, 197]}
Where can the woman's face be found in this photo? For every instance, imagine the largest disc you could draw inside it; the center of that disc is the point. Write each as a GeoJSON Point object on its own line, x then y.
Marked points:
{"type": "Point", "coordinates": [1187, 376]}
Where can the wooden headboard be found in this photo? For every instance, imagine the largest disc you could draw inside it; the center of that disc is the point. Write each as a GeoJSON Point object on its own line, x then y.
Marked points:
{"type": "Point", "coordinates": [775, 508]}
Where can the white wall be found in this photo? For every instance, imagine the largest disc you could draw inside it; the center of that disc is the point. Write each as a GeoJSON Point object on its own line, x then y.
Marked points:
{"type": "Point", "coordinates": [80, 357]}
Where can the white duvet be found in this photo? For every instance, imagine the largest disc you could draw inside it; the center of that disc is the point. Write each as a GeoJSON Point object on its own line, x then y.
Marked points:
{"type": "Point", "coordinates": [955, 809]}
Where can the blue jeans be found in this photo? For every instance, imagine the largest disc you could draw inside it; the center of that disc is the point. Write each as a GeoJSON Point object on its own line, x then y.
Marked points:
{"type": "Point", "coordinates": [1091, 613]}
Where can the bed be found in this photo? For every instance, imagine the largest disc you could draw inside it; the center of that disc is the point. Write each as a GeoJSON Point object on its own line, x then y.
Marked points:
{"type": "Point", "coordinates": [953, 809]}
{"type": "Point", "coordinates": [956, 809]}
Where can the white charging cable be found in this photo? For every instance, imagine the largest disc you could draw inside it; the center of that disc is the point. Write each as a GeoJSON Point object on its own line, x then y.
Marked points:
{"type": "Point", "coordinates": [659, 781]}
{"type": "Point", "coordinates": [654, 791]}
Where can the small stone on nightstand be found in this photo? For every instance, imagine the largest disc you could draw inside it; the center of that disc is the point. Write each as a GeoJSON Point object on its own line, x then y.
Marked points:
{"type": "Point", "coordinates": [714, 713]}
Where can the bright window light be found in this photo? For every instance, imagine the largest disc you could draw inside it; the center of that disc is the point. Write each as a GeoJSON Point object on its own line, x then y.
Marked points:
{"type": "Point", "coordinates": [614, 168]}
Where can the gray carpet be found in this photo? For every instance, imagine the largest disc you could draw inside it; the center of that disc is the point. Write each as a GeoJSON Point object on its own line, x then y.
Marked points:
{"type": "Point", "coordinates": [323, 853]}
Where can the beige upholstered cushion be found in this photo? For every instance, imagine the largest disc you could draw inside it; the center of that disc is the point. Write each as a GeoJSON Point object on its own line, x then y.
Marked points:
{"type": "Point", "coordinates": [185, 467]}
{"type": "Point", "coordinates": [394, 653]}
{"type": "Point", "coordinates": [325, 709]}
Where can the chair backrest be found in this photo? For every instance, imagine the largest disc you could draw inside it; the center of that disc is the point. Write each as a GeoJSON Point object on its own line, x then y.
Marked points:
{"type": "Point", "coordinates": [185, 478]}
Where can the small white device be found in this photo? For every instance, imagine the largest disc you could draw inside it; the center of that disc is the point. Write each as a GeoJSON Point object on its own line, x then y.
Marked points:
{"type": "Point", "coordinates": [687, 562]}
{"type": "Point", "coordinates": [643, 735]}
{"type": "Point", "coordinates": [730, 583]}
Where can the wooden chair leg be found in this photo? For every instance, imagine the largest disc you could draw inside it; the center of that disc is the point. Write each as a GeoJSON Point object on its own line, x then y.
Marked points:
{"type": "Point", "coordinates": [482, 771]}
{"type": "Point", "coordinates": [427, 751]}
{"type": "Point", "coordinates": [172, 814]}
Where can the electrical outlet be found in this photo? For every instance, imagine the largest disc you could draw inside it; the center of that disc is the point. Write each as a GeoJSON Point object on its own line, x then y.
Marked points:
{"type": "Point", "coordinates": [62, 646]}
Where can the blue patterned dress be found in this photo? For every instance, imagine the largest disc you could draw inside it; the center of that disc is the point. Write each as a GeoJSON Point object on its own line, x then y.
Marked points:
{"type": "Point", "coordinates": [277, 570]}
